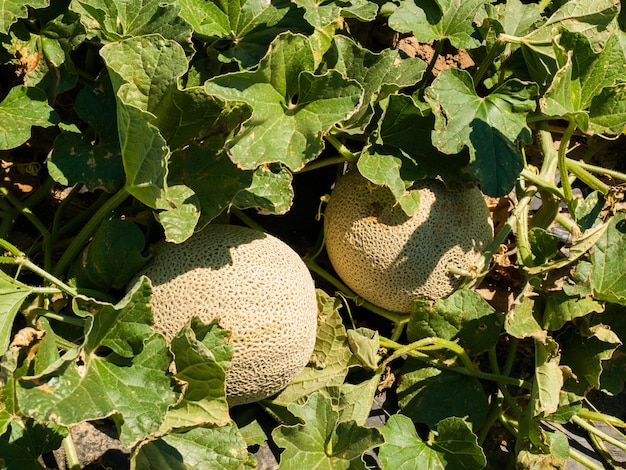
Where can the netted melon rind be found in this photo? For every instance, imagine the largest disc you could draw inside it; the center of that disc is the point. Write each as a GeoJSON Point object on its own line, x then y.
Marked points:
{"type": "Point", "coordinates": [256, 286]}
{"type": "Point", "coordinates": [392, 260]}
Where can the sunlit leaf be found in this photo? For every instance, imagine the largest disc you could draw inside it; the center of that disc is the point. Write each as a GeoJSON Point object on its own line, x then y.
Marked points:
{"type": "Point", "coordinates": [21, 109]}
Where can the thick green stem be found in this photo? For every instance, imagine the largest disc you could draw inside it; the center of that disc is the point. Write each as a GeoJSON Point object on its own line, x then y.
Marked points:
{"type": "Point", "coordinates": [563, 169]}
{"type": "Point", "coordinates": [429, 69]}
{"type": "Point", "coordinates": [73, 462]}
{"type": "Point", "coordinates": [550, 155]}
{"type": "Point", "coordinates": [583, 175]}
{"type": "Point", "coordinates": [495, 50]}
{"type": "Point", "coordinates": [590, 428]}
{"type": "Point", "coordinates": [28, 264]}
{"type": "Point", "coordinates": [523, 242]}
{"type": "Point", "coordinates": [584, 460]}
{"type": "Point", "coordinates": [90, 227]}
{"type": "Point", "coordinates": [495, 368]}
{"type": "Point", "coordinates": [429, 344]}
{"type": "Point", "coordinates": [344, 151]}
{"type": "Point", "coordinates": [324, 162]}
{"type": "Point", "coordinates": [596, 169]}
{"type": "Point", "coordinates": [585, 413]}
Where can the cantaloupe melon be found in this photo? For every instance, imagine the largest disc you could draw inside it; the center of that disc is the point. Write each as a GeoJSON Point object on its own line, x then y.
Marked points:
{"type": "Point", "coordinates": [393, 260]}
{"type": "Point", "coordinates": [258, 288]}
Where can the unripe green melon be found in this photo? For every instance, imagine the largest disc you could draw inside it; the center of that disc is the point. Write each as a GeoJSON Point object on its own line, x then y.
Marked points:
{"type": "Point", "coordinates": [393, 260]}
{"type": "Point", "coordinates": [256, 286]}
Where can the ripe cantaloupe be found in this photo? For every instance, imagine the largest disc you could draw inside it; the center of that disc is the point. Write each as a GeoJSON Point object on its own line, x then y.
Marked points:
{"type": "Point", "coordinates": [258, 288]}
{"type": "Point", "coordinates": [393, 260]}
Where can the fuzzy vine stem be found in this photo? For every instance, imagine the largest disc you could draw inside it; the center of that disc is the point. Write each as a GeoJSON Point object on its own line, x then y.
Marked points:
{"type": "Point", "coordinates": [618, 175]}
{"type": "Point", "coordinates": [584, 460]}
{"type": "Point", "coordinates": [590, 428]}
{"type": "Point", "coordinates": [87, 231]}
{"type": "Point", "coordinates": [495, 368]}
{"type": "Point", "coordinates": [585, 413]}
{"type": "Point", "coordinates": [344, 151]}
{"type": "Point", "coordinates": [429, 343]}
{"type": "Point", "coordinates": [563, 169]}
{"type": "Point", "coordinates": [73, 462]}
{"type": "Point", "coordinates": [488, 60]}
{"type": "Point", "coordinates": [324, 162]}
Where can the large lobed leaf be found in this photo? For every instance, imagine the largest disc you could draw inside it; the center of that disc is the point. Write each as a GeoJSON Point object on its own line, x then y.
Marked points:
{"type": "Point", "coordinates": [322, 441]}
{"type": "Point", "coordinates": [12, 10]}
{"type": "Point", "coordinates": [292, 107]}
{"type": "Point", "coordinates": [113, 20]}
{"type": "Point", "coordinates": [492, 127]}
{"type": "Point", "coordinates": [456, 447]}
{"type": "Point", "coordinates": [242, 30]}
{"type": "Point", "coordinates": [21, 109]}
{"type": "Point", "coordinates": [129, 383]}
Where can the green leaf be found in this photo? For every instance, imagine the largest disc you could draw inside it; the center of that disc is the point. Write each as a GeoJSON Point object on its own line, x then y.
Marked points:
{"type": "Point", "coordinates": [456, 447]}
{"type": "Point", "coordinates": [364, 344]}
{"type": "Point", "coordinates": [428, 395]}
{"type": "Point", "coordinates": [24, 441]}
{"type": "Point", "coordinates": [291, 107]}
{"type": "Point", "coordinates": [357, 396]}
{"type": "Point", "coordinates": [561, 308]}
{"type": "Point", "coordinates": [114, 20]}
{"type": "Point", "coordinates": [120, 371]}
{"type": "Point", "coordinates": [517, 18]}
{"type": "Point", "coordinates": [545, 449]}
{"type": "Point", "coordinates": [22, 108]}
{"type": "Point", "coordinates": [221, 447]}
{"type": "Point", "coordinates": [432, 20]}
{"type": "Point", "coordinates": [320, 13]}
{"type": "Point", "coordinates": [582, 75]}
{"type": "Point", "coordinates": [492, 127]}
{"type": "Point", "coordinates": [143, 69]}
{"type": "Point", "coordinates": [543, 245]}
{"type": "Point", "coordinates": [201, 355]}
{"type": "Point", "coordinates": [584, 355]}
{"type": "Point", "coordinates": [46, 55]}
{"type": "Point", "coordinates": [12, 295]}
{"type": "Point", "coordinates": [270, 190]}
{"type": "Point", "coordinates": [191, 115]}
{"type": "Point", "coordinates": [379, 74]}
{"type": "Point", "coordinates": [464, 316]}
{"type": "Point", "coordinates": [321, 441]}
{"type": "Point", "coordinates": [12, 10]}
{"type": "Point", "coordinates": [524, 320]}
{"type": "Point", "coordinates": [100, 267]}
{"type": "Point", "coordinates": [79, 159]}
{"type": "Point", "coordinates": [578, 16]}
{"type": "Point", "coordinates": [608, 274]}
{"type": "Point", "coordinates": [180, 212]}
{"type": "Point", "coordinates": [607, 114]}
{"type": "Point", "coordinates": [331, 356]}
{"type": "Point", "coordinates": [213, 177]}
{"type": "Point", "coordinates": [388, 167]}
{"type": "Point", "coordinates": [548, 380]}
{"type": "Point", "coordinates": [243, 28]}
{"type": "Point", "coordinates": [407, 126]}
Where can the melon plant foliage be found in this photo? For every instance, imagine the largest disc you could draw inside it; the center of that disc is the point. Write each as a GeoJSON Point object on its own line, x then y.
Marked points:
{"type": "Point", "coordinates": [124, 122]}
